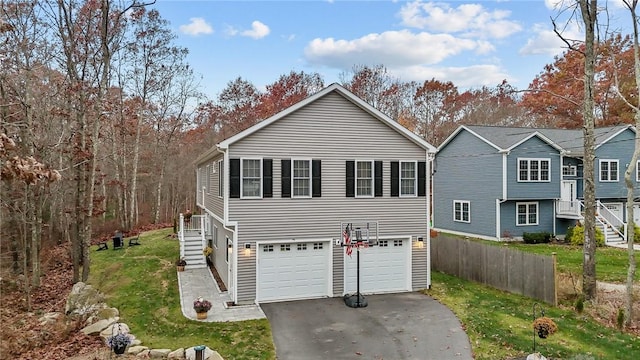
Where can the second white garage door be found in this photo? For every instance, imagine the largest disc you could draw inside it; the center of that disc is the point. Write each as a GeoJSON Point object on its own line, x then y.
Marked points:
{"type": "Point", "coordinates": [291, 271]}
{"type": "Point", "coordinates": [383, 268]}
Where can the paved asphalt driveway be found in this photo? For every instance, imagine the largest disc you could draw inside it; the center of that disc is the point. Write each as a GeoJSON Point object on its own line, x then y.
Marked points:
{"type": "Point", "coordinates": [392, 327]}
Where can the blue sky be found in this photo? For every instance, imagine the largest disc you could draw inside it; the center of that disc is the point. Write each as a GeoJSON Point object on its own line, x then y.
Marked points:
{"type": "Point", "coordinates": [468, 43]}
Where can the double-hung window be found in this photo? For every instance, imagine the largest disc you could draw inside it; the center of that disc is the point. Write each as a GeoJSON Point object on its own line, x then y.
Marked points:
{"type": "Point", "coordinates": [526, 213]}
{"type": "Point", "coordinates": [251, 178]}
{"type": "Point", "coordinates": [408, 178]}
{"type": "Point", "coordinates": [301, 178]}
{"type": "Point", "coordinates": [608, 170]}
{"type": "Point", "coordinates": [569, 170]}
{"type": "Point", "coordinates": [533, 170]}
{"type": "Point", "coordinates": [461, 211]}
{"type": "Point", "coordinates": [364, 178]}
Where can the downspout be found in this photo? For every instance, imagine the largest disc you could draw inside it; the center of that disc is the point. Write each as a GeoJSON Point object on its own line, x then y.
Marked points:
{"type": "Point", "coordinates": [429, 159]}
{"type": "Point", "coordinates": [505, 154]}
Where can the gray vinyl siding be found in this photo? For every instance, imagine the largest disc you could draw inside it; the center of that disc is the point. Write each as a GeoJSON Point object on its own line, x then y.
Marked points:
{"type": "Point", "coordinates": [333, 130]}
{"type": "Point", "coordinates": [419, 274]}
{"type": "Point", "coordinates": [219, 253]}
{"type": "Point", "coordinates": [533, 148]}
{"type": "Point", "coordinates": [212, 202]}
{"type": "Point", "coordinates": [508, 216]}
{"type": "Point", "coordinates": [467, 169]}
{"type": "Point", "coordinates": [621, 148]}
{"type": "Point", "coordinates": [338, 270]}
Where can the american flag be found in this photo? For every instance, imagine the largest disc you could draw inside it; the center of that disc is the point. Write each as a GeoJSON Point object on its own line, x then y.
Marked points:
{"type": "Point", "coordinates": [346, 234]}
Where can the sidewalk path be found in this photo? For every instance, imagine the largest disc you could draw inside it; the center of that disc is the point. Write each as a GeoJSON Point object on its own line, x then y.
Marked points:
{"type": "Point", "coordinates": [194, 283]}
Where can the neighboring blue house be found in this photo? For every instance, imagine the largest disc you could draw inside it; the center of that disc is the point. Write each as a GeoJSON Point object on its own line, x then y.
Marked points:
{"type": "Point", "coordinates": [499, 182]}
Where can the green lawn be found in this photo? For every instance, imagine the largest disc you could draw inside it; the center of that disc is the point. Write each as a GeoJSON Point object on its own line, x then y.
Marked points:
{"type": "Point", "coordinates": [499, 325]}
{"type": "Point", "coordinates": [141, 281]}
{"type": "Point", "coordinates": [611, 263]}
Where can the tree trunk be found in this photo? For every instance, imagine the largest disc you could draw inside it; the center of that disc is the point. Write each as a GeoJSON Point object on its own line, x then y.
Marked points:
{"type": "Point", "coordinates": [589, 14]}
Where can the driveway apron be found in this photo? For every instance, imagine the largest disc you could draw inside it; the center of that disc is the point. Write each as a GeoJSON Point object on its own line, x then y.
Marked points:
{"type": "Point", "coordinates": [393, 326]}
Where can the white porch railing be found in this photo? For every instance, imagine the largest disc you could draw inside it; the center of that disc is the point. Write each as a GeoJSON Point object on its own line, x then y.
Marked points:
{"type": "Point", "coordinates": [614, 222]}
{"type": "Point", "coordinates": [569, 208]}
{"type": "Point", "coordinates": [194, 224]}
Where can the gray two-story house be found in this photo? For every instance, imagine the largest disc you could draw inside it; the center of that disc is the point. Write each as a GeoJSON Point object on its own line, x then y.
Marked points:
{"type": "Point", "coordinates": [277, 198]}
{"type": "Point", "coordinates": [499, 182]}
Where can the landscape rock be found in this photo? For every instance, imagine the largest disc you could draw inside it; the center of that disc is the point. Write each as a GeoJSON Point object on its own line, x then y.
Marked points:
{"type": "Point", "coordinates": [190, 354]}
{"type": "Point", "coordinates": [135, 342]}
{"type": "Point", "coordinates": [107, 313]}
{"type": "Point", "coordinates": [177, 354]}
{"type": "Point", "coordinates": [83, 300]}
{"type": "Point", "coordinates": [97, 327]}
{"type": "Point", "coordinates": [135, 350]}
{"type": "Point", "coordinates": [114, 329]}
{"type": "Point", "coordinates": [536, 356]}
{"type": "Point", "coordinates": [143, 354]}
{"type": "Point", "coordinates": [49, 318]}
{"type": "Point", "coordinates": [159, 353]}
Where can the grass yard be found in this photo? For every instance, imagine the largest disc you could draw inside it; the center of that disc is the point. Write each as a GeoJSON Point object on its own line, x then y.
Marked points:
{"type": "Point", "coordinates": [499, 325]}
{"type": "Point", "coordinates": [611, 263]}
{"type": "Point", "coordinates": [141, 281]}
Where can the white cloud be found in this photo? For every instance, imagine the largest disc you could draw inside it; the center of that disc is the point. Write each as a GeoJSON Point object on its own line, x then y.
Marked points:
{"type": "Point", "coordinates": [197, 26]}
{"type": "Point", "coordinates": [392, 48]}
{"type": "Point", "coordinates": [546, 42]}
{"type": "Point", "coordinates": [462, 77]}
{"type": "Point", "coordinates": [470, 20]}
{"type": "Point", "coordinates": [555, 4]}
{"type": "Point", "coordinates": [258, 30]}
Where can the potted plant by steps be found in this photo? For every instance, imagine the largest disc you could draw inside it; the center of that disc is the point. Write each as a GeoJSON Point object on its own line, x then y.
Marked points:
{"type": "Point", "coordinates": [544, 326]}
{"type": "Point", "coordinates": [181, 263]}
{"type": "Point", "coordinates": [201, 306]}
{"type": "Point", "coordinates": [118, 342]}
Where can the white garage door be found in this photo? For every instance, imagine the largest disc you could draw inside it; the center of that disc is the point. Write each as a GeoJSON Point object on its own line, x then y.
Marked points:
{"type": "Point", "coordinates": [383, 268]}
{"type": "Point", "coordinates": [293, 271]}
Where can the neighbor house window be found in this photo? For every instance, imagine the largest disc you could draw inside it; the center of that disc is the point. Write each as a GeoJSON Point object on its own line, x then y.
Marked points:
{"type": "Point", "coordinates": [608, 170]}
{"type": "Point", "coordinates": [569, 170]}
{"type": "Point", "coordinates": [533, 170]}
{"type": "Point", "coordinates": [301, 178]}
{"type": "Point", "coordinates": [408, 178]}
{"type": "Point", "coordinates": [251, 178]}
{"type": "Point", "coordinates": [527, 213]}
{"type": "Point", "coordinates": [461, 211]}
{"type": "Point", "coordinates": [221, 178]}
{"type": "Point", "coordinates": [364, 178]}
{"type": "Point", "coordinates": [215, 236]}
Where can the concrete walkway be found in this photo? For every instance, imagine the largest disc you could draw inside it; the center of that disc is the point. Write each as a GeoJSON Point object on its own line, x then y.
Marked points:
{"type": "Point", "coordinates": [624, 245]}
{"type": "Point", "coordinates": [194, 283]}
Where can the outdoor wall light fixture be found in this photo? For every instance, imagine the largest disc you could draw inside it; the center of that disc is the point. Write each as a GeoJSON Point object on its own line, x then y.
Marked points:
{"type": "Point", "coordinates": [420, 242]}
{"type": "Point", "coordinates": [247, 249]}
{"type": "Point", "coordinates": [230, 248]}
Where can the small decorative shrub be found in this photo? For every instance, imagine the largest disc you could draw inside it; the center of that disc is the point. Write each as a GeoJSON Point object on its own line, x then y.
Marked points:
{"type": "Point", "coordinates": [542, 237]}
{"type": "Point", "coordinates": [544, 326]}
{"type": "Point", "coordinates": [181, 262]}
{"type": "Point", "coordinates": [620, 319]}
{"type": "Point", "coordinates": [580, 304]}
{"type": "Point", "coordinates": [201, 305]}
{"type": "Point", "coordinates": [577, 236]}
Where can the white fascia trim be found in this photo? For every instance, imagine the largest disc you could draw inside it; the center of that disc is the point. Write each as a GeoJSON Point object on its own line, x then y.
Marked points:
{"type": "Point", "coordinates": [462, 127]}
{"type": "Point", "coordinates": [541, 137]}
{"type": "Point", "coordinates": [344, 92]}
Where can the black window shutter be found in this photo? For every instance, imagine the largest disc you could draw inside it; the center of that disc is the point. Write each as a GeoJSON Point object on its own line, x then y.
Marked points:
{"type": "Point", "coordinates": [378, 178]}
{"type": "Point", "coordinates": [267, 178]}
{"type": "Point", "coordinates": [422, 178]}
{"type": "Point", "coordinates": [316, 181]}
{"type": "Point", "coordinates": [286, 178]}
{"type": "Point", "coordinates": [351, 178]}
{"type": "Point", "coordinates": [395, 178]}
{"type": "Point", "coordinates": [234, 178]}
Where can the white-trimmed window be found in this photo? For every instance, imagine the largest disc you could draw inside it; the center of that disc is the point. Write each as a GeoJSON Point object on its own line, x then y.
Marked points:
{"type": "Point", "coordinates": [462, 211]}
{"type": "Point", "coordinates": [608, 170]}
{"type": "Point", "coordinates": [301, 178]}
{"type": "Point", "coordinates": [533, 170]}
{"type": "Point", "coordinates": [408, 178]}
{"type": "Point", "coordinates": [526, 213]}
{"type": "Point", "coordinates": [364, 178]}
{"type": "Point", "coordinates": [228, 249]}
{"type": "Point", "coordinates": [569, 170]}
{"type": "Point", "coordinates": [251, 175]}
{"type": "Point", "coordinates": [220, 178]}
{"type": "Point", "coordinates": [215, 236]}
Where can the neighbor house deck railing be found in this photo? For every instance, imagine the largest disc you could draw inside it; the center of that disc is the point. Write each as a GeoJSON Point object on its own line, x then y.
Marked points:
{"type": "Point", "coordinates": [571, 208]}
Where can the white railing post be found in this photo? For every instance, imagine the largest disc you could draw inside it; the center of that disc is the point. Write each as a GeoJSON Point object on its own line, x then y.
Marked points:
{"type": "Point", "coordinates": [181, 234]}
